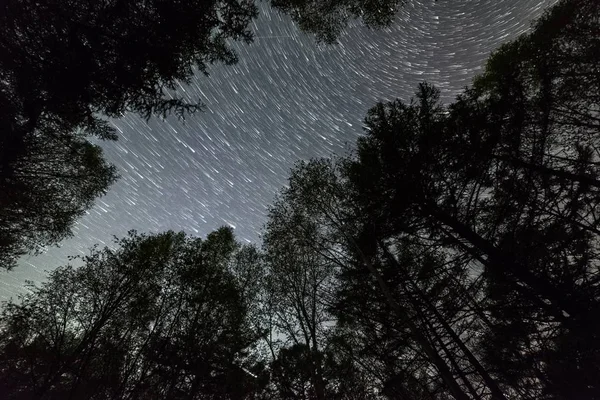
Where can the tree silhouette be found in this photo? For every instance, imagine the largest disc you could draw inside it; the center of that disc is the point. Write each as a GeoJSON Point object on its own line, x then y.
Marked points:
{"type": "Point", "coordinates": [161, 316]}
{"type": "Point", "coordinates": [72, 60]}
{"type": "Point", "coordinates": [454, 254]}
{"type": "Point", "coordinates": [45, 189]}
{"type": "Point", "coordinates": [327, 19]}
{"type": "Point", "coordinates": [299, 277]}
{"type": "Point", "coordinates": [538, 96]}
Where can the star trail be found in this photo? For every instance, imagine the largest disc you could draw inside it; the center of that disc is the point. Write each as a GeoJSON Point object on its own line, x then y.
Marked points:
{"type": "Point", "coordinates": [287, 99]}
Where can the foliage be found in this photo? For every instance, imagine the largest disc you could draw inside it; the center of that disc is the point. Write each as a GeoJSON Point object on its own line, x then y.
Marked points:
{"type": "Point", "coordinates": [161, 316]}
{"type": "Point", "coordinates": [45, 189]}
{"type": "Point", "coordinates": [327, 19]}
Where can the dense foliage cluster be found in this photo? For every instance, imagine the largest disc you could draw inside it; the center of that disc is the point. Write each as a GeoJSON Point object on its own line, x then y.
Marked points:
{"type": "Point", "coordinates": [163, 316]}
{"type": "Point", "coordinates": [454, 254]}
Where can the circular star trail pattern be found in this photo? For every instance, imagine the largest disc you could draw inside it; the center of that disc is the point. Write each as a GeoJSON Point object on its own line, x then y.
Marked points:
{"type": "Point", "coordinates": [287, 99]}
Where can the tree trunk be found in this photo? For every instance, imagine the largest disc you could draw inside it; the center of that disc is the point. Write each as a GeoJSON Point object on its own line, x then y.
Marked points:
{"type": "Point", "coordinates": [453, 362]}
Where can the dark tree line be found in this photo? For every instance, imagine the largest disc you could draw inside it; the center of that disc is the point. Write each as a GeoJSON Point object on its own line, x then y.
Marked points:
{"type": "Point", "coordinates": [464, 238]}
{"type": "Point", "coordinates": [68, 66]}
{"type": "Point", "coordinates": [453, 255]}
{"type": "Point", "coordinates": [163, 316]}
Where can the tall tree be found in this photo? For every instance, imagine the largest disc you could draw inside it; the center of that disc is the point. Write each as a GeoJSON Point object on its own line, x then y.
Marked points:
{"type": "Point", "coordinates": [299, 280]}
{"type": "Point", "coordinates": [539, 95]}
{"type": "Point", "coordinates": [319, 190]}
{"type": "Point", "coordinates": [305, 252]}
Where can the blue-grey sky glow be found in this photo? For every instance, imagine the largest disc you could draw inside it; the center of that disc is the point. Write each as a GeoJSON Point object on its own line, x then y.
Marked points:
{"type": "Point", "coordinates": [287, 99]}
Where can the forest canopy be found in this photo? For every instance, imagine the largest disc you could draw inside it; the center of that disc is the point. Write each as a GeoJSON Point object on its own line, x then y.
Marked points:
{"type": "Point", "coordinates": [454, 254]}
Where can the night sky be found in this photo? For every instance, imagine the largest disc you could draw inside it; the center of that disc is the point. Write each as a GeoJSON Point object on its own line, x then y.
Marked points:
{"type": "Point", "coordinates": [287, 99]}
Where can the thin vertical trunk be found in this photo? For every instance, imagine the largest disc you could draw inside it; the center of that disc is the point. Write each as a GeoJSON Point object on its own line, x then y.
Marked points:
{"type": "Point", "coordinates": [453, 362]}
{"type": "Point", "coordinates": [318, 368]}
